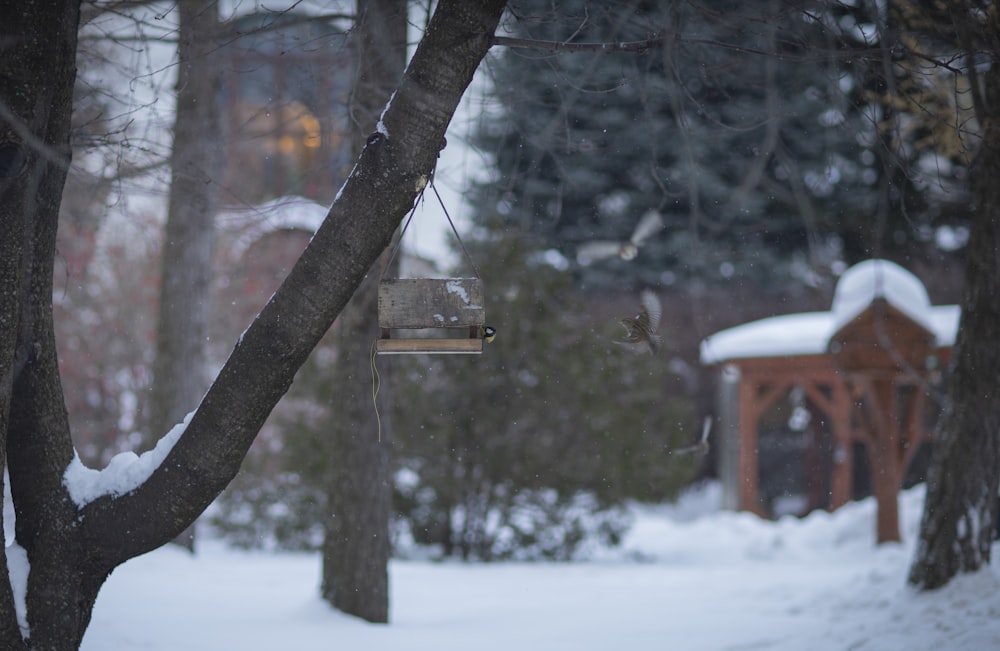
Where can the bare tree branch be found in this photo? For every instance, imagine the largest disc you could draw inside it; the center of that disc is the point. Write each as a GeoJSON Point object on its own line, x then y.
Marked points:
{"type": "Point", "coordinates": [554, 46]}
{"type": "Point", "coordinates": [660, 40]}
{"type": "Point", "coordinates": [226, 28]}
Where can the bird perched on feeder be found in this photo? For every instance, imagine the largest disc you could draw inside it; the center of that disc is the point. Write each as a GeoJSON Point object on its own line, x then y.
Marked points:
{"type": "Point", "coordinates": [594, 250]}
{"type": "Point", "coordinates": [701, 447]}
{"type": "Point", "coordinates": [488, 333]}
{"type": "Point", "coordinates": [640, 330]}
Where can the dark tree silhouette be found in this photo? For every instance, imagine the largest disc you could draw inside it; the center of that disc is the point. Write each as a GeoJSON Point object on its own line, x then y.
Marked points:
{"type": "Point", "coordinates": [957, 529]}
{"type": "Point", "coordinates": [72, 548]}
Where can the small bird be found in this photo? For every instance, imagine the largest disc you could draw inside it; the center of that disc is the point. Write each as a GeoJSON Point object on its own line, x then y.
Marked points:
{"type": "Point", "coordinates": [701, 447]}
{"type": "Point", "coordinates": [594, 250]}
{"type": "Point", "coordinates": [640, 330]}
{"type": "Point", "coordinates": [488, 333]}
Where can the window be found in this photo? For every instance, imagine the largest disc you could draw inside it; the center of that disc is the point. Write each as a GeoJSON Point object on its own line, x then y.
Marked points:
{"type": "Point", "coordinates": [285, 89]}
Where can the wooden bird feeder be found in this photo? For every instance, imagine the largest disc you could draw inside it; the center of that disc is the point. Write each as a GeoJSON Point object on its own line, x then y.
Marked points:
{"type": "Point", "coordinates": [414, 313]}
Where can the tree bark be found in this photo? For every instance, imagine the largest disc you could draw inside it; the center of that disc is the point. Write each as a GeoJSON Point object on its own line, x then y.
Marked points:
{"type": "Point", "coordinates": [73, 548]}
{"type": "Point", "coordinates": [958, 523]}
{"type": "Point", "coordinates": [37, 71]}
{"type": "Point", "coordinates": [179, 372]}
{"type": "Point", "coordinates": [356, 548]}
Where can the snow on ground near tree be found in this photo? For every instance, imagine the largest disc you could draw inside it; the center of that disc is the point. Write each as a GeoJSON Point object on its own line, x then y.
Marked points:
{"type": "Point", "coordinates": [689, 577]}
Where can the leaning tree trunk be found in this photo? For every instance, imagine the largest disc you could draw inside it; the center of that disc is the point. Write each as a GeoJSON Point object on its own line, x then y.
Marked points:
{"type": "Point", "coordinates": [356, 547]}
{"type": "Point", "coordinates": [73, 540]}
{"type": "Point", "coordinates": [179, 372]}
{"type": "Point", "coordinates": [957, 528]}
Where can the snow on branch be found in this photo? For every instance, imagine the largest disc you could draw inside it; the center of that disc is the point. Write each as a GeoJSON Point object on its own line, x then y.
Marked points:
{"type": "Point", "coordinates": [124, 473]}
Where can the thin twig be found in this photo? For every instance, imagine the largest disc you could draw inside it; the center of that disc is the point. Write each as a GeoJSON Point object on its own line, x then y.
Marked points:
{"type": "Point", "coordinates": [671, 37]}
{"type": "Point", "coordinates": [557, 46]}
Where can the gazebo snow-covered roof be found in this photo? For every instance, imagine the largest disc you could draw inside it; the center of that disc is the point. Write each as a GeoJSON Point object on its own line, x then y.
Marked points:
{"type": "Point", "coordinates": [864, 366]}
{"type": "Point", "coordinates": [808, 333]}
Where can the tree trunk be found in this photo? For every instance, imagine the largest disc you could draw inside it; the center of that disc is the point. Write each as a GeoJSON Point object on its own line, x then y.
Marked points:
{"type": "Point", "coordinates": [37, 71]}
{"type": "Point", "coordinates": [959, 515]}
{"type": "Point", "coordinates": [884, 453]}
{"type": "Point", "coordinates": [356, 548]}
{"type": "Point", "coordinates": [73, 544]}
{"type": "Point", "coordinates": [179, 372]}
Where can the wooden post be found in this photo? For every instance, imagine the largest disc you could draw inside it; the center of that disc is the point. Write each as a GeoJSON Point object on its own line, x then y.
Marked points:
{"type": "Point", "coordinates": [749, 468]}
{"type": "Point", "coordinates": [755, 398]}
{"type": "Point", "coordinates": [842, 466]}
{"type": "Point", "coordinates": [877, 350]}
{"type": "Point", "coordinates": [882, 423]}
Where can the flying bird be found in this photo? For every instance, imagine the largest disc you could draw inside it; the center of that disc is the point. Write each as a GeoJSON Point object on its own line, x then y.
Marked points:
{"type": "Point", "coordinates": [701, 447]}
{"type": "Point", "coordinates": [594, 250]}
{"type": "Point", "coordinates": [640, 330]}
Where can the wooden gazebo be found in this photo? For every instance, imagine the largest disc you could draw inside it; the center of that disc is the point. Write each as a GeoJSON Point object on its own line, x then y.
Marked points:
{"type": "Point", "coordinates": [866, 368]}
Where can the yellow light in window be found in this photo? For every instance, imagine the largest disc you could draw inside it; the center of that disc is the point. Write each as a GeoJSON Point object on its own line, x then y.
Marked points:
{"type": "Point", "coordinates": [310, 124]}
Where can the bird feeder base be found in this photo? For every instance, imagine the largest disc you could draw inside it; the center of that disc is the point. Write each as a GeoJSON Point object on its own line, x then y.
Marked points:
{"type": "Point", "coordinates": [429, 346]}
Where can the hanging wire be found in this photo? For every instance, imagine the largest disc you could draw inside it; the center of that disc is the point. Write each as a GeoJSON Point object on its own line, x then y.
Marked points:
{"type": "Point", "coordinates": [451, 223]}
{"type": "Point", "coordinates": [376, 385]}
{"type": "Point", "coordinates": [376, 377]}
{"type": "Point", "coordinates": [399, 240]}
{"type": "Point", "coordinates": [454, 230]}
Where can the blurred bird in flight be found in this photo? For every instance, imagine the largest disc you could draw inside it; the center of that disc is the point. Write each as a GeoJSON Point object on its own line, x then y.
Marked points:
{"type": "Point", "coordinates": [640, 330]}
{"type": "Point", "coordinates": [701, 447]}
{"type": "Point", "coordinates": [594, 250]}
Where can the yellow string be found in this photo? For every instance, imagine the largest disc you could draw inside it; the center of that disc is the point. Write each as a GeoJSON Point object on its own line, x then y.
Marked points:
{"type": "Point", "coordinates": [376, 385]}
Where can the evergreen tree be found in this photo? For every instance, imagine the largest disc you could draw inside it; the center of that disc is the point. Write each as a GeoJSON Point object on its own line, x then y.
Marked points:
{"type": "Point", "coordinates": [530, 449]}
{"type": "Point", "coordinates": [752, 130]}
{"type": "Point", "coordinates": [527, 451]}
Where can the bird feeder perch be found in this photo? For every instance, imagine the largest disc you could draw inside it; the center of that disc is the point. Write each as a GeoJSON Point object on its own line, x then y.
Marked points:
{"type": "Point", "coordinates": [428, 307]}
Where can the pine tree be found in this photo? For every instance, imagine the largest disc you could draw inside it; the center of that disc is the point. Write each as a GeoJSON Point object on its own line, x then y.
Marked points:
{"type": "Point", "coordinates": [751, 130]}
{"type": "Point", "coordinates": [530, 449]}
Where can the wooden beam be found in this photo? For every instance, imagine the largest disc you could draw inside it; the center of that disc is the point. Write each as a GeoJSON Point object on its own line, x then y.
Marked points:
{"type": "Point", "coordinates": [883, 408]}
{"type": "Point", "coordinates": [748, 464]}
{"type": "Point", "coordinates": [429, 346]}
{"type": "Point", "coordinates": [842, 464]}
{"type": "Point", "coordinates": [414, 303]}
{"type": "Point", "coordinates": [818, 398]}
{"type": "Point", "coordinates": [770, 394]}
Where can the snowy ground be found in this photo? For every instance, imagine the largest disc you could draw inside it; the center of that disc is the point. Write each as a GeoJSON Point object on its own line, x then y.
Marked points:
{"type": "Point", "coordinates": [688, 578]}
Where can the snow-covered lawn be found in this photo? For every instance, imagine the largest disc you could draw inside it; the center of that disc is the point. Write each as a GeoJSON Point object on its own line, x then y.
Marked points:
{"type": "Point", "coordinates": [689, 577]}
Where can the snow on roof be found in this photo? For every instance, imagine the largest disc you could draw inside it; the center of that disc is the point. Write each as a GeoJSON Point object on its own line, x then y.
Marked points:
{"type": "Point", "coordinates": [871, 279]}
{"type": "Point", "coordinates": [808, 333]}
{"type": "Point", "coordinates": [252, 223]}
{"type": "Point", "coordinates": [944, 323]}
